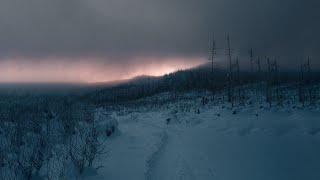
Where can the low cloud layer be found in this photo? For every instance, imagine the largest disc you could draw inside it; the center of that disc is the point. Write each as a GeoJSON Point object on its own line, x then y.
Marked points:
{"type": "Point", "coordinates": [88, 69]}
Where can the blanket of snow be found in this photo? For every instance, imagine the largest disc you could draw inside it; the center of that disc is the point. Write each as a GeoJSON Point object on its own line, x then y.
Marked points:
{"type": "Point", "coordinates": [247, 142]}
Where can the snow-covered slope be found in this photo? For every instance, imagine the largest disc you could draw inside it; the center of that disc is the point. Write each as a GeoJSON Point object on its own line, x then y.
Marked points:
{"type": "Point", "coordinates": [213, 141]}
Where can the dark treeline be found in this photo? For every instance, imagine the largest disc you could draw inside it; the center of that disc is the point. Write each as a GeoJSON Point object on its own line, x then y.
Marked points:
{"type": "Point", "coordinates": [201, 78]}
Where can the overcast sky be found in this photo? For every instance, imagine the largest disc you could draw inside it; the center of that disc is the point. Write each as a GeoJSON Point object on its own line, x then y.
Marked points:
{"type": "Point", "coordinates": [119, 33]}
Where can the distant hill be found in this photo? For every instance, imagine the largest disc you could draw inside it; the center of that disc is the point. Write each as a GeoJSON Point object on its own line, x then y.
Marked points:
{"type": "Point", "coordinates": [199, 78]}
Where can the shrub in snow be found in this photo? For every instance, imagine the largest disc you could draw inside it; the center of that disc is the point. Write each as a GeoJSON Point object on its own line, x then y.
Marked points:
{"type": "Point", "coordinates": [56, 163]}
{"type": "Point", "coordinates": [168, 120]}
{"type": "Point", "coordinates": [43, 139]}
{"type": "Point", "coordinates": [106, 124]}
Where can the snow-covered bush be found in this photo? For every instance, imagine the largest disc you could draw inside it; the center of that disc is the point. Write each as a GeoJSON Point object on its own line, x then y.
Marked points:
{"type": "Point", "coordinates": [47, 137]}
{"type": "Point", "coordinates": [106, 124]}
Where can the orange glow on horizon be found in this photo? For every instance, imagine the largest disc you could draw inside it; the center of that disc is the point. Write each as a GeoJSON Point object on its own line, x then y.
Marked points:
{"type": "Point", "coordinates": [89, 70]}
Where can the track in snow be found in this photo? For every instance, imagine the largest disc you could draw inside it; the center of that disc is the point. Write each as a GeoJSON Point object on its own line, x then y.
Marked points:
{"type": "Point", "coordinates": [169, 161]}
{"type": "Point", "coordinates": [156, 155]}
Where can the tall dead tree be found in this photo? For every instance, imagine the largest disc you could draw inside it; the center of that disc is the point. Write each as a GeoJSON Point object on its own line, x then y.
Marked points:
{"type": "Point", "coordinates": [236, 68]}
{"type": "Point", "coordinates": [255, 66]}
{"type": "Point", "coordinates": [233, 75]}
{"type": "Point", "coordinates": [251, 60]}
{"type": "Point", "coordinates": [228, 53]}
{"type": "Point", "coordinates": [259, 66]}
{"type": "Point", "coordinates": [212, 51]}
{"type": "Point", "coordinates": [255, 73]}
{"type": "Point", "coordinates": [305, 89]}
{"type": "Point", "coordinates": [212, 55]}
{"type": "Point", "coordinates": [272, 90]}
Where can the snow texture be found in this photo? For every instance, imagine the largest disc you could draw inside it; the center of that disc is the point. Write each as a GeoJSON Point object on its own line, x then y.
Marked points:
{"type": "Point", "coordinates": [214, 141]}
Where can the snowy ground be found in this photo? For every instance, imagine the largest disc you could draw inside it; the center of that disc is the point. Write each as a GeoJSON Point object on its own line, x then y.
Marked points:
{"type": "Point", "coordinates": [254, 143]}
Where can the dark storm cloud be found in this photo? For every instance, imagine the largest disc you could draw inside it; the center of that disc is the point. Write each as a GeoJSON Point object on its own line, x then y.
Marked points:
{"type": "Point", "coordinates": [75, 27]}
{"type": "Point", "coordinates": [117, 28]}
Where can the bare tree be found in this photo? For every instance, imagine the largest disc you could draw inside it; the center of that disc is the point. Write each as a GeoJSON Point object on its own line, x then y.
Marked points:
{"type": "Point", "coordinates": [272, 89]}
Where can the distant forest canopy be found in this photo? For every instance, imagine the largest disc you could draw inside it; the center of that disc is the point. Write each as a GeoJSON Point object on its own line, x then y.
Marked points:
{"type": "Point", "coordinates": [199, 78]}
